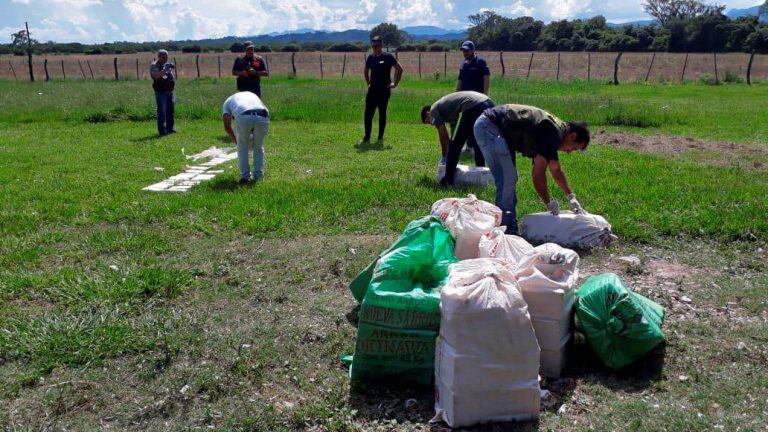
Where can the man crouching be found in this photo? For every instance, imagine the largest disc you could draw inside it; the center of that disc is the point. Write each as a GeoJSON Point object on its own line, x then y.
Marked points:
{"type": "Point", "coordinates": [252, 125]}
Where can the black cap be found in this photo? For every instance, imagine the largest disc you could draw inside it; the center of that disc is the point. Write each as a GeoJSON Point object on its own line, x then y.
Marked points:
{"type": "Point", "coordinates": [468, 46]}
{"type": "Point", "coordinates": [248, 44]}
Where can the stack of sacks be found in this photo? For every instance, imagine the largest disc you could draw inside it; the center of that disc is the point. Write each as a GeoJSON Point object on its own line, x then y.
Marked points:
{"type": "Point", "coordinates": [487, 358]}
{"type": "Point", "coordinates": [547, 279]}
{"type": "Point", "coordinates": [400, 311]}
{"type": "Point", "coordinates": [468, 175]}
{"type": "Point", "coordinates": [568, 229]}
{"type": "Point", "coordinates": [510, 248]}
{"type": "Point", "coordinates": [467, 219]}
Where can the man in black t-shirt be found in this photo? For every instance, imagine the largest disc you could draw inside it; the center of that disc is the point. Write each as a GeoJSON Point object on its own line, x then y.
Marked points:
{"type": "Point", "coordinates": [249, 69]}
{"type": "Point", "coordinates": [506, 129]}
{"type": "Point", "coordinates": [378, 69]}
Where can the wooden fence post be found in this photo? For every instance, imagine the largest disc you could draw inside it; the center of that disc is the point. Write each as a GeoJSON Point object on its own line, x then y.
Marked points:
{"type": "Point", "coordinates": [648, 74]}
{"type": "Point", "coordinates": [344, 66]}
{"type": "Point", "coordinates": [178, 69]}
{"type": "Point", "coordinates": [557, 76]}
{"type": "Point", "coordinates": [79, 63]}
{"type": "Point", "coordinates": [530, 63]}
{"type": "Point", "coordinates": [419, 64]}
{"type": "Point", "coordinates": [322, 75]}
{"type": "Point", "coordinates": [717, 80]}
{"type": "Point", "coordinates": [45, 66]}
{"type": "Point", "coordinates": [197, 64]}
{"type": "Point", "coordinates": [616, 69]}
{"type": "Point", "coordinates": [685, 65]}
{"type": "Point", "coordinates": [749, 69]}
{"type": "Point", "coordinates": [293, 63]}
{"type": "Point", "coordinates": [63, 72]}
{"type": "Point", "coordinates": [445, 64]}
{"type": "Point", "coordinates": [117, 75]}
{"type": "Point", "coordinates": [218, 60]}
{"type": "Point", "coordinates": [29, 54]}
{"type": "Point", "coordinates": [15, 78]}
{"type": "Point", "coordinates": [137, 69]}
{"type": "Point", "coordinates": [589, 66]}
{"type": "Point", "coordinates": [88, 62]}
{"type": "Point", "coordinates": [501, 59]}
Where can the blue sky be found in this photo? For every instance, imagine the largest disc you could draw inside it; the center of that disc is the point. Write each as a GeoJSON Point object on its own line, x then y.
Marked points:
{"type": "Point", "coordinates": [93, 21]}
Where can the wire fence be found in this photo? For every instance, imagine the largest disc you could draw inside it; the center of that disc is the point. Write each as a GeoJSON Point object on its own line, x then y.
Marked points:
{"type": "Point", "coordinates": [566, 66]}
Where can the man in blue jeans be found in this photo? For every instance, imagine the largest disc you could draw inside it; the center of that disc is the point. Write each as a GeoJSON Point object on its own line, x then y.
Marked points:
{"type": "Point", "coordinates": [163, 76]}
{"type": "Point", "coordinates": [252, 123]}
{"type": "Point", "coordinates": [503, 130]}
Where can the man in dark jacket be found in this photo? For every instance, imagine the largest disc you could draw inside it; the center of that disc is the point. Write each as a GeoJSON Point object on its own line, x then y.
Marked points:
{"type": "Point", "coordinates": [506, 129]}
{"type": "Point", "coordinates": [163, 76]}
{"type": "Point", "coordinates": [249, 69]}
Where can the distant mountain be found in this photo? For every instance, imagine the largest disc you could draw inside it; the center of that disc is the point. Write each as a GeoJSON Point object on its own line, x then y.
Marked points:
{"type": "Point", "coordinates": [430, 31]}
{"type": "Point", "coordinates": [354, 35]}
{"type": "Point", "coordinates": [639, 23]}
{"type": "Point", "coordinates": [753, 11]}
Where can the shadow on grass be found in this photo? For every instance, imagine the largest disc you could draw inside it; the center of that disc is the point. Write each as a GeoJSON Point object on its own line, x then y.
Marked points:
{"type": "Point", "coordinates": [222, 184]}
{"type": "Point", "coordinates": [362, 148]}
{"type": "Point", "coordinates": [430, 183]}
{"type": "Point", "coordinates": [147, 138]}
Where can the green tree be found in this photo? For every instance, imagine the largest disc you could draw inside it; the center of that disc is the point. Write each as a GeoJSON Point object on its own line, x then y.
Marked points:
{"type": "Point", "coordinates": [390, 34]}
{"type": "Point", "coordinates": [668, 11]}
{"type": "Point", "coordinates": [21, 38]}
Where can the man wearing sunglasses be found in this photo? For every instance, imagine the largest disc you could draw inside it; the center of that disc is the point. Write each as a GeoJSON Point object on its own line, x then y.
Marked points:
{"type": "Point", "coordinates": [378, 77]}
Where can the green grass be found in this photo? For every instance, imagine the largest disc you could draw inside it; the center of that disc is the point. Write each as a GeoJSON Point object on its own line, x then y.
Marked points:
{"type": "Point", "coordinates": [99, 279]}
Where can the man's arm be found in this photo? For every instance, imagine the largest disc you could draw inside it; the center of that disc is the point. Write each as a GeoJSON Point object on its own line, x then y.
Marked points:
{"type": "Point", "coordinates": [539, 176]}
{"type": "Point", "coordinates": [458, 85]}
{"type": "Point", "coordinates": [264, 71]}
{"type": "Point", "coordinates": [486, 84]}
{"type": "Point", "coordinates": [398, 73]}
{"type": "Point", "coordinates": [367, 75]}
{"type": "Point", "coordinates": [445, 139]}
{"type": "Point", "coordinates": [236, 71]}
{"type": "Point", "coordinates": [559, 175]}
{"type": "Point", "coordinates": [156, 73]}
{"type": "Point", "coordinates": [227, 118]}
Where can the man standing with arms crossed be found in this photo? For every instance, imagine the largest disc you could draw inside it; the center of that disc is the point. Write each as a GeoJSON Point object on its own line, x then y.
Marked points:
{"type": "Point", "coordinates": [252, 123]}
{"type": "Point", "coordinates": [537, 134]}
{"type": "Point", "coordinates": [378, 69]}
{"type": "Point", "coordinates": [163, 82]}
{"type": "Point", "coordinates": [249, 69]}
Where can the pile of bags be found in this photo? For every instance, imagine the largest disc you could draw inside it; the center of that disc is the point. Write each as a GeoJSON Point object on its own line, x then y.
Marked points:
{"type": "Point", "coordinates": [468, 175]}
{"type": "Point", "coordinates": [483, 313]}
{"type": "Point", "coordinates": [487, 362]}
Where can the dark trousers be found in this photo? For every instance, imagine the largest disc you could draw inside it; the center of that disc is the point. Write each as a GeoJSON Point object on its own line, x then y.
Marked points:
{"type": "Point", "coordinates": [463, 133]}
{"type": "Point", "coordinates": [165, 105]}
{"type": "Point", "coordinates": [377, 98]}
{"type": "Point", "coordinates": [254, 88]}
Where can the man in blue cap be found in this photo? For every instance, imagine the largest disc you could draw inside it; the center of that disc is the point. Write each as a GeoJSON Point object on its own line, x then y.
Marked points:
{"type": "Point", "coordinates": [474, 74]}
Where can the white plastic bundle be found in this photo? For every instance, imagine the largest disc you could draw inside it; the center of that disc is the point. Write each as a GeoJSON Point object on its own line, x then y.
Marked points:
{"type": "Point", "coordinates": [497, 244]}
{"type": "Point", "coordinates": [467, 219]}
{"type": "Point", "coordinates": [568, 229]}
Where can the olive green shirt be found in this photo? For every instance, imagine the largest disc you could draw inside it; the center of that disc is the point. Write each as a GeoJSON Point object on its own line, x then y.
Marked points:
{"type": "Point", "coordinates": [528, 130]}
{"type": "Point", "coordinates": [448, 108]}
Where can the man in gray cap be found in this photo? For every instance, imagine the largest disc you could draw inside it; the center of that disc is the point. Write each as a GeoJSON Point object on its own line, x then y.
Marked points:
{"type": "Point", "coordinates": [474, 74]}
{"type": "Point", "coordinates": [249, 69]}
{"type": "Point", "coordinates": [163, 76]}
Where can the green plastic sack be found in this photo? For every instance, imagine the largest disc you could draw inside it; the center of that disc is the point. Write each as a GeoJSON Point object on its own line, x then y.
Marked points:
{"type": "Point", "coordinates": [621, 326]}
{"type": "Point", "coordinates": [400, 313]}
{"type": "Point", "coordinates": [412, 231]}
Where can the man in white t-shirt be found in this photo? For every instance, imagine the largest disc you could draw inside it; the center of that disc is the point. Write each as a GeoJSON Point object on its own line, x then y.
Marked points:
{"type": "Point", "coordinates": [252, 124]}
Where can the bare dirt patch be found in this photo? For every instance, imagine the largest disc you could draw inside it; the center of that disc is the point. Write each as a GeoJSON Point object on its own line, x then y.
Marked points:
{"type": "Point", "coordinates": [723, 152]}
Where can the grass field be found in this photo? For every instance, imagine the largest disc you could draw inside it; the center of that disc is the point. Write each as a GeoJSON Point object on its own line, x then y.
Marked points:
{"type": "Point", "coordinates": [227, 307]}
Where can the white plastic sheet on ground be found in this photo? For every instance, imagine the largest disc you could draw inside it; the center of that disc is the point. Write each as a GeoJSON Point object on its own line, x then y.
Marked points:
{"type": "Point", "coordinates": [547, 278]}
{"type": "Point", "coordinates": [568, 229]}
{"type": "Point", "coordinates": [487, 358]}
{"type": "Point", "coordinates": [497, 244]}
{"type": "Point", "coordinates": [468, 175]}
{"type": "Point", "coordinates": [467, 219]}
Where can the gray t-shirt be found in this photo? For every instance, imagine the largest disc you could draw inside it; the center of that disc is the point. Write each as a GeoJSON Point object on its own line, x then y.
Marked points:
{"type": "Point", "coordinates": [448, 108]}
{"type": "Point", "coordinates": [241, 102]}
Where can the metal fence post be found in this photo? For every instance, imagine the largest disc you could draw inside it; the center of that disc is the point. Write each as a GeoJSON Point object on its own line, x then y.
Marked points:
{"type": "Point", "coordinates": [685, 65]}
{"type": "Point", "coordinates": [530, 63]}
{"type": "Point", "coordinates": [648, 74]}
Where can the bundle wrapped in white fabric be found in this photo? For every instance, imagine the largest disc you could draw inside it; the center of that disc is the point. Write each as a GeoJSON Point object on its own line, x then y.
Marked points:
{"type": "Point", "coordinates": [467, 219]}
{"type": "Point", "coordinates": [468, 175]}
{"type": "Point", "coordinates": [547, 279]}
{"type": "Point", "coordinates": [487, 359]}
{"type": "Point", "coordinates": [497, 244]}
{"type": "Point", "coordinates": [568, 229]}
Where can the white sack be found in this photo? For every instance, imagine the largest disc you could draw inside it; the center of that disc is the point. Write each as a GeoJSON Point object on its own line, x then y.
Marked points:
{"type": "Point", "coordinates": [547, 278]}
{"type": "Point", "coordinates": [467, 219]}
{"type": "Point", "coordinates": [568, 229]}
{"type": "Point", "coordinates": [497, 244]}
{"type": "Point", "coordinates": [468, 175]}
{"type": "Point", "coordinates": [487, 359]}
